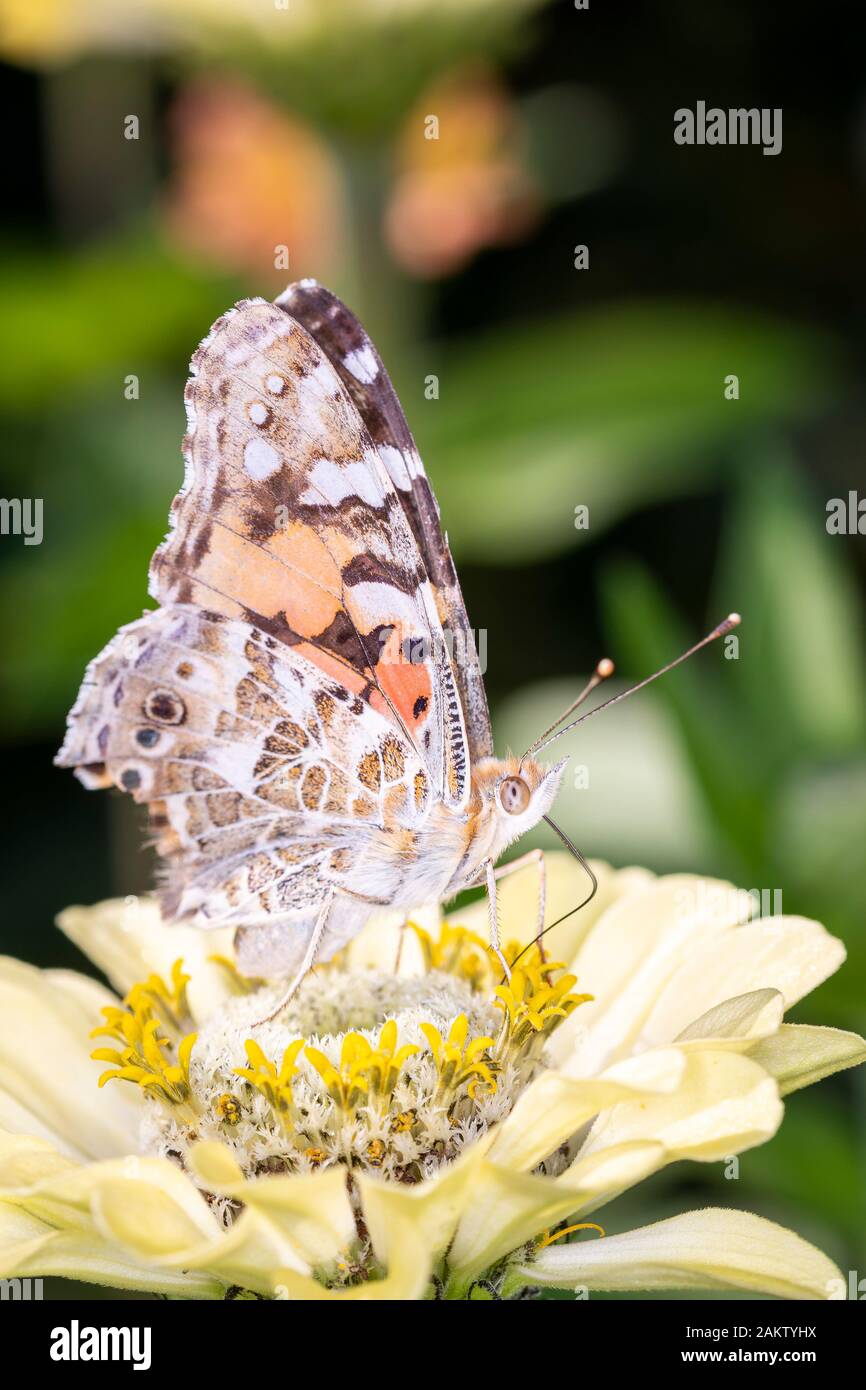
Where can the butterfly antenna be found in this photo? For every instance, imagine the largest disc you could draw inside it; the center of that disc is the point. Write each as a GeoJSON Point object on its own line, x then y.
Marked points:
{"type": "Point", "coordinates": [730, 622]}
{"type": "Point", "coordinates": [603, 670]}
{"type": "Point", "coordinates": [572, 849]}
{"type": "Point", "coordinates": [600, 674]}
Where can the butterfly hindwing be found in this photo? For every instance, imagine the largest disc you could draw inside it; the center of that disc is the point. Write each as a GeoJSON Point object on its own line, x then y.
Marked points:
{"type": "Point", "coordinates": [264, 778]}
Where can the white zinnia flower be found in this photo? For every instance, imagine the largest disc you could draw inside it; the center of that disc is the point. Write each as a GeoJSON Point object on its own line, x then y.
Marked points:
{"type": "Point", "coordinates": [408, 1126]}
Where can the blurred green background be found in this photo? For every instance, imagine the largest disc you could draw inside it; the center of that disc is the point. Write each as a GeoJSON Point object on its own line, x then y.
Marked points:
{"type": "Point", "coordinates": [558, 388]}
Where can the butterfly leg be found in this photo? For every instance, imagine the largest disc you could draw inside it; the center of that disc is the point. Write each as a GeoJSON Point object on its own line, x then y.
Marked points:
{"type": "Point", "coordinates": [401, 938]}
{"type": "Point", "coordinates": [493, 914]}
{"type": "Point", "coordinates": [532, 856]}
{"type": "Point", "coordinates": [306, 964]}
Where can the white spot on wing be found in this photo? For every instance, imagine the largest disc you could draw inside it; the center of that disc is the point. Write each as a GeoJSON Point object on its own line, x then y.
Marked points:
{"type": "Point", "coordinates": [362, 364]}
{"type": "Point", "coordinates": [275, 384]}
{"type": "Point", "coordinates": [402, 468]}
{"type": "Point", "coordinates": [334, 482]}
{"type": "Point", "coordinates": [258, 412]}
{"type": "Point", "coordinates": [260, 459]}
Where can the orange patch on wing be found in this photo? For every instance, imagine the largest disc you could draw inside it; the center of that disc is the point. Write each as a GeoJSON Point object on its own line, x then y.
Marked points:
{"type": "Point", "coordinates": [347, 676]}
{"type": "Point", "coordinates": [233, 565]}
{"type": "Point", "coordinates": [404, 684]}
{"type": "Point", "coordinates": [310, 611]}
{"type": "Point", "coordinates": [300, 548]}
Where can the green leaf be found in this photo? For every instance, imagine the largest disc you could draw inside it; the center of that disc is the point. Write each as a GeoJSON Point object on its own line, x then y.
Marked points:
{"type": "Point", "coordinates": [802, 667]}
{"type": "Point", "coordinates": [118, 309]}
{"type": "Point", "coordinates": [609, 410]}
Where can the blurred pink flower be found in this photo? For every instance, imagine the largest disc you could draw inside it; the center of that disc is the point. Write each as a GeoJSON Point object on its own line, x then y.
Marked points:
{"type": "Point", "coordinates": [466, 189]}
{"type": "Point", "coordinates": [250, 179]}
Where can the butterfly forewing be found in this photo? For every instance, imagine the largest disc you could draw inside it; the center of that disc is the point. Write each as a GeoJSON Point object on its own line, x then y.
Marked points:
{"type": "Point", "coordinates": [289, 520]}
{"type": "Point", "coordinates": [354, 357]}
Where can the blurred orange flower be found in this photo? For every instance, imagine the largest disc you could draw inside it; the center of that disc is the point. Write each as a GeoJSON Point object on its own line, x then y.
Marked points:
{"type": "Point", "coordinates": [250, 180]}
{"type": "Point", "coordinates": [462, 182]}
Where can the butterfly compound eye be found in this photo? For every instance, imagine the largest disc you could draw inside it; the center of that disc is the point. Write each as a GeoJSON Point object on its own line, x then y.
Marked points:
{"type": "Point", "coordinates": [514, 795]}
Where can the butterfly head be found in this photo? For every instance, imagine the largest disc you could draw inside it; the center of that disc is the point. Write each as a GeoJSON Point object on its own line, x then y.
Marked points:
{"type": "Point", "coordinates": [517, 793]}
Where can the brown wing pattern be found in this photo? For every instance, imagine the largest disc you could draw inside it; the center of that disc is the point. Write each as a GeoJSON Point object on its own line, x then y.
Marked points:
{"type": "Point", "coordinates": [289, 520]}
{"type": "Point", "coordinates": [265, 779]}
{"type": "Point", "coordinates": [354, 357]}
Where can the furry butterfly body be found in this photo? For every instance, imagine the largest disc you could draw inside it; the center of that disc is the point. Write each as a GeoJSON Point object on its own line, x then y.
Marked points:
{"type": "Point", "coordinates": [310, 746]}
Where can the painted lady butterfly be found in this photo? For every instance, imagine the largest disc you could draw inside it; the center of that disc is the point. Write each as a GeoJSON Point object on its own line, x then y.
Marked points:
{"type": "Point", "coordinates": [308, 746]}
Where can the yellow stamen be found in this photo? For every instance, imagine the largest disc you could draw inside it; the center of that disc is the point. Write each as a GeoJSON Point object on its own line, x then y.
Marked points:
{"type": "Point", "coordinates": [141, 1060]}
{"type": "Point", "coordinates": [457, 951]}
{"type": "Point", "coordinates": [154, 996]}
{"type": "Point", "coordinates": [458, 1063]}
{"type": "Point", "coordinates": [567, 1231]}
{"type": "Point", "coordinates": [275, 1086]}
{"type": "Point", "coordinates": [530, 1004]}
{"type": "Point", "coordinates": [347, 1086]}
{"type": "Point", "coordinates": [238, 983]}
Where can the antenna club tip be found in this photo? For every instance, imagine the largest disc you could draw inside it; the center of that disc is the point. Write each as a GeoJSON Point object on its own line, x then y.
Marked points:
{"type": "Point", "coordinates": [732, 620]}
{"type": "Point", "coordinates": [605, 668]}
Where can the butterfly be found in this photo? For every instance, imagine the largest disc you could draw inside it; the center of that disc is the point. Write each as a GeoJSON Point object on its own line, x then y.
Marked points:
{"type": "Point", "coordinates": [304, 714]}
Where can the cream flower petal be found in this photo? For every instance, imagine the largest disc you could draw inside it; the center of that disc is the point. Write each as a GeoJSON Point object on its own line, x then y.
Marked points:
{"type": "Point", "coordinates": [709, 1249]}
{"type": "Point", "coordinates": [31, 1247]}
{"type": "Point", "coordinates": [799, 1055]}
{"type": "Point", "coordinates": [25, 1159]}
{"type": "Point", "coordinates": [45, 1063]}
{"type": "Point", "coordinates": [567, 885]}
{"type": "Point", "coordinates": [145, 1218]}
{"type": "Point", "coordinates": [407, 1278]}
{"type": "Point", "coordinates": [629, 956]}
{"type": "Point", "coordinates": [739, 1022]}
{"type": "Point", "coordinates": [554, 1106]}
{"type": "Point", "coordinates": [148, 1214]}
{"type": "Point", "coordinates": [724, 1104]}
{"type": "Point", "coordinates": [154, 1226]}
{"type": "Point", "coordinates": [64, 1197]}
{"type": "Point", "coordinates": [16, 1118]}
{"type": "Point", "coordinates": [310, 1211]}
{"type": "Point", "coordinates": [248, 1253]}
{"type": "Point", "coordinates": [432, 1208]}
{"type": "Point", "coordinates": [129, 940]}
{"type": "Point", "coordinates": [790, 954]}
{"type": "Point", "coordinates": [508, 1208]}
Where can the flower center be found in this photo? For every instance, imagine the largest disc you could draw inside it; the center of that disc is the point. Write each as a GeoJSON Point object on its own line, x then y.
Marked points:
{"type": "Point", "coordinates": [384, 1073]}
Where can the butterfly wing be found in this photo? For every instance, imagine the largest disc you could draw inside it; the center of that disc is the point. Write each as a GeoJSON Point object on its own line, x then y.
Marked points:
{"type": "Point", "coordinates": [265, 778]}
{"type": "Point", "coordinates": [289, 520]}
{"type": "Point", "coordinates": [293, 696]}
{"type": "Point", "coordinates": [354, 357]}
